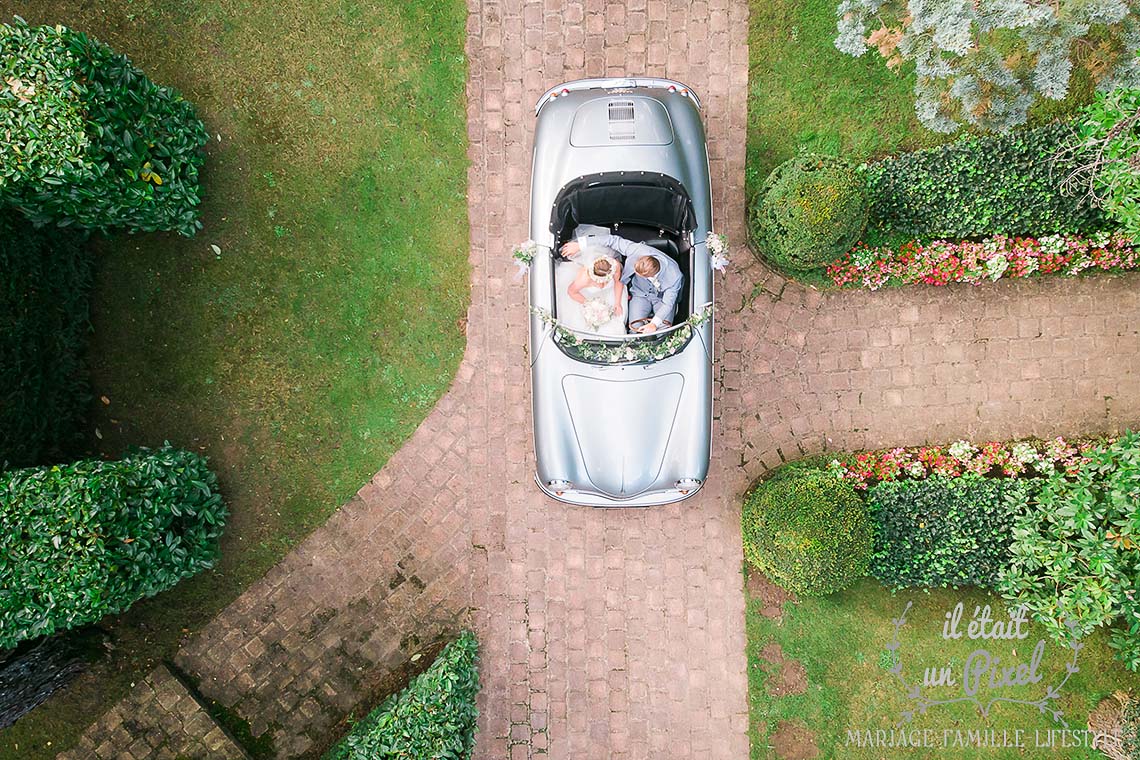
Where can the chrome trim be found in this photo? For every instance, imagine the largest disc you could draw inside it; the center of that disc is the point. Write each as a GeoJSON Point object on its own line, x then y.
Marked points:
{"type": "Point", "coordinates": [646, 499]}
{"type": "Point", "coordinates": [616, 83]}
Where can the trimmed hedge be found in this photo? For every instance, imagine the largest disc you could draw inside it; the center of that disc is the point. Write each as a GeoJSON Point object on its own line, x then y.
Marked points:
{"type": "Point", "coordinates": [44, 324]}
{"type": "Point", "coordinates": [432, 719]}
{"type": "Point", "coordinates": [93, 143]}
{"type": "Point", "coordinates": [808, 531]}
{"type": "Point", "coordinates": [978, 186]}
{"type": "Point", "coordinates": [811, 210]}
{"type": "Point", "coordinates": [89, 539]}
{"type": "Point", "coordinates": [942, 531]}
{"type": "Point", "coordinates": [1076, 550]}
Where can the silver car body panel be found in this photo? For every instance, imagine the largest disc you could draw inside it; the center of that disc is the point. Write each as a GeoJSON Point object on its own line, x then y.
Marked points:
{"type": "Point", "coordinates": [622, 434]}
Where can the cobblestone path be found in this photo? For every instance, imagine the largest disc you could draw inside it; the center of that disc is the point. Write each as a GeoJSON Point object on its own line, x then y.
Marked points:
{"type": "Point", "coordinates": [620, 634]}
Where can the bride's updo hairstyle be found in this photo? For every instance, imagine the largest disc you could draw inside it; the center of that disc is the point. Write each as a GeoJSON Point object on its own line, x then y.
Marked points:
{"type": "Point", "coordinates": [603, 265]}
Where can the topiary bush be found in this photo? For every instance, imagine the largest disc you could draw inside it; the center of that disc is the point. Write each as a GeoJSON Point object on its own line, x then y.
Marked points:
{"type": "Point", "coordinates": [811, 210]}
{"type": "Point", "coordinates": [90, 141]}
{"type": "Point", "coordinates": [89, 539]}
{"type": "Point", "coordinates": [979, 186]}
{"type": "Point", "coordinates": [808, 531]}
{"type": "Point", "coordinates": [1075, 556]}
{"type": "Point", "coordinates": [44, 324]}
{"type": "Point", "coordinates": [433, 719]}
{"type": "Point", "coordinates": [942, 531]}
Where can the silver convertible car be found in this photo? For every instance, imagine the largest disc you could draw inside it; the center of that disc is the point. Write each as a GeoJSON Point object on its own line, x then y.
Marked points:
{"type": "Point", "coordinates": [621, 420]}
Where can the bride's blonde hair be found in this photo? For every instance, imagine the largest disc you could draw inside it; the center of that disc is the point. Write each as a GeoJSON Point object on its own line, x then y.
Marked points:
{"type": "Point", "coordinates": [603, 265]}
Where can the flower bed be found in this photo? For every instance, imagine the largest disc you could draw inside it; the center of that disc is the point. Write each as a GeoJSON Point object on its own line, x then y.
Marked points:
{"type": "Point", "coordinates": [1023, 458]}
{"type": "Point", "coordinates": [942, 262]}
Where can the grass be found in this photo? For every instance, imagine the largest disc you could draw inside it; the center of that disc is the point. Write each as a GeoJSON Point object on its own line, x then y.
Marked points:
{"type": "Point", "coordinates": [302, 356]}
{"type": "Point", "coordinates": [841, 640]}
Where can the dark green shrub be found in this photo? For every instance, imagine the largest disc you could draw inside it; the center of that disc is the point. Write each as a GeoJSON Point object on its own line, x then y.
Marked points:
{"type": "Point", "coordinates": [89, 539]}
{"type": "Point", "coordinates": [432, 719]}
{"type": "Point", "coordinates": [94, 143]}
{"type": "Point", "coordinates": [978, 186]}
{"type": "Point", "coordinates": [808, 531]}
{"type": "Point", "coordinates": [944, 531]}
{"type": "Point", "coordinates": [811, 210]}
{"type": "Point", "coordinates": [44, 292]}
{"type": "Point", "coordinates": [1076, 551]}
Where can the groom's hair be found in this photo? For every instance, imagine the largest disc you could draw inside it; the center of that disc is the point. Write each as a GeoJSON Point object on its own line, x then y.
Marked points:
{"type": "Point", "coordinates": [647, 266]}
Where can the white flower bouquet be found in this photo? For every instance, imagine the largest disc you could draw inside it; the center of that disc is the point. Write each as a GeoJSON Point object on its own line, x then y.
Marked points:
{"type": "Point", "coordinates": [718, 251]}
{"type": "Point", "coordinates": [523, 254]}
{"type": "Point", "coordinates": [596, 313]}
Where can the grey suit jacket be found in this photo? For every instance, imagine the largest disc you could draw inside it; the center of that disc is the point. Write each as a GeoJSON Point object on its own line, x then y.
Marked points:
{"type": "Point", "coordinates": [664, 293]}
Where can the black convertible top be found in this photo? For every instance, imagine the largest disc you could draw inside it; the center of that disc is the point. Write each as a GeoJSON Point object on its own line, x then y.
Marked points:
{"type": "Point", "coordinates": [648, 198]}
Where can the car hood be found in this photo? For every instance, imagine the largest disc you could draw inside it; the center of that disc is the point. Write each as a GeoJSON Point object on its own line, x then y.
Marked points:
{"type": "Point", "coordinates": [623, 428]}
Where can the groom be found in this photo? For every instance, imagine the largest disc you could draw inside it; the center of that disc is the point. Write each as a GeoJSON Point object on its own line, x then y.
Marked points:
{"type": "Point", "coordinates": [654, 280]}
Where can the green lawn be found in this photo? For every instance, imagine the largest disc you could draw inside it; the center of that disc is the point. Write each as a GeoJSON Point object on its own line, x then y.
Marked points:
{"type": "Point", "coordinates": [842, 642]}
{"type": "Point", "coordinates": [805, 94]}
{"type": "Point", "coordinates": [302, 356]}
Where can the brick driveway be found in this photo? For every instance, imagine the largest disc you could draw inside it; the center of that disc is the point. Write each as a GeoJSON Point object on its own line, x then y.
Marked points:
{"type": "Point", "coordinates": [620, 634]}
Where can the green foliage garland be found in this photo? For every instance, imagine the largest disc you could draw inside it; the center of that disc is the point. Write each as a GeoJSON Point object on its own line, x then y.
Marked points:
{"type": "Point", "coordinates": [89, 539]}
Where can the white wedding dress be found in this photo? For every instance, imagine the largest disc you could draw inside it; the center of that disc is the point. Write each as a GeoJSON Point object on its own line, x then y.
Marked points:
{"type": "Point", "coordinates": [570, 311]}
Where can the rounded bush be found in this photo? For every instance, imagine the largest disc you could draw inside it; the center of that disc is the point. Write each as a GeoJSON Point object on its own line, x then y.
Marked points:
{"type": "Point", "coordinates": [808, 531]}
{"type": "Point", "coordinates": [810, 212]}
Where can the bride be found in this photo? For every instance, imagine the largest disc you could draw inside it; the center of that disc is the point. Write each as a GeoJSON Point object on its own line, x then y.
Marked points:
{"type": "Point", "coordinates": [599, 295]}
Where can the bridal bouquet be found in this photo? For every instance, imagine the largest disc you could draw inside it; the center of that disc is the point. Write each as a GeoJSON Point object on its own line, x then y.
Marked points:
{"type": "Point", "coordinates": [596, 313]}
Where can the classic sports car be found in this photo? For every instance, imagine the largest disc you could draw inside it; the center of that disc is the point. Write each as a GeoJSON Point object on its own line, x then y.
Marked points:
{"type": "Point", "coordinates": [621, 420]}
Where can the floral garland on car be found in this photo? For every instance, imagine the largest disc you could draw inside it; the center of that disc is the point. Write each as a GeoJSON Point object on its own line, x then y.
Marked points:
{"type": "Point", "coordinates": [942, 262]}
{"type": "Point", "coordinates": [1023, 458]}
{"type": "Point", "coordinates": [630, 350]}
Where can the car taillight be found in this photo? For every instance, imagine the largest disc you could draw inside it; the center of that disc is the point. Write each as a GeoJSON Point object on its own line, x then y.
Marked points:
{"type": "Point", "coordinates": [672, 88]}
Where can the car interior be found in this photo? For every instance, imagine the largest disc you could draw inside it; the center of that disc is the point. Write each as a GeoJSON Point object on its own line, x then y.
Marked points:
{"type": "Point", "coordinates": [643, 207]}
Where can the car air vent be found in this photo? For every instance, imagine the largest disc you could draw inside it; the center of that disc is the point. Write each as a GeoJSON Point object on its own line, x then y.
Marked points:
{"type": "Point", "coordinates": [621, 117]}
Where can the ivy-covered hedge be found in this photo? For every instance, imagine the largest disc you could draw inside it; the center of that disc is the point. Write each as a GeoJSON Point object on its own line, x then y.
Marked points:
{"type": "Point", "coordinates": [978, 186]}
{"type": "Point", "coordinates": [432, 719]}
{"type": "Point", "coordinates": [89, 140]}
{"type": "Point", "coordinates": [808, 531]}
{"type": "Point", "coordinates": [91, 538]}
{"type": "Point", "coordinates": [1076, 550]}
{"type": "Point", "coordinates": [45, 279]}
{"type": "Point", "coordinates": [943, 531]}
